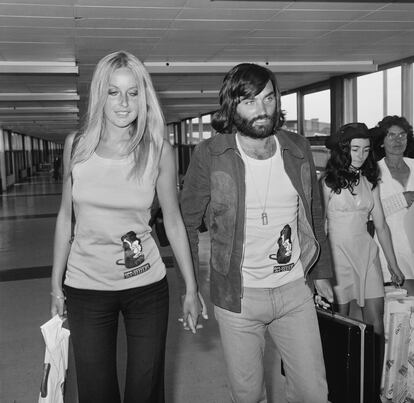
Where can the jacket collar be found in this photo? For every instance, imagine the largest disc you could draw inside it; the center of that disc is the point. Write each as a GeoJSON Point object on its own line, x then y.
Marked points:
{"type": "Point", "coordinates": [287, 140]}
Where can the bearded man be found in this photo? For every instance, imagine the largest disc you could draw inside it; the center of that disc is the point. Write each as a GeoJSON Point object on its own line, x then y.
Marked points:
{"type": "Point", "coordinates": [256, 185]}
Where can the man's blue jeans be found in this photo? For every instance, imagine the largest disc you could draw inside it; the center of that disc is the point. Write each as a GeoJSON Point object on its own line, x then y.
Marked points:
{"type": "Point", "coordinates": [288, 313]}
{"type": "Point", "coordinates": [93, 323]}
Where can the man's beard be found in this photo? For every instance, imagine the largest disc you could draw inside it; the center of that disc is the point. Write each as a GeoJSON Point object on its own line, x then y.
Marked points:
{"type": "Point", "coordinates": [248, 128]}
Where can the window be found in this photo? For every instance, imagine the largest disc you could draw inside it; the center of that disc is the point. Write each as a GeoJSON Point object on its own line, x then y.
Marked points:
{"type": "Point", "coordinates": [370, 96]}
{"type": "Point", "coordinates": [8, 152]}
{"type": "Point", "coordinates": [195, 131]}
{"type": "Point", "coordinates": [171, 133]}
{"type": "Point", "coordinates": [289, 107]}
{"type": "Point", "coordinates": [187, 131]}
{"type": "Point", "coordinates": [207, 129]}
{"type": "Point", "coordinates": [317, 112]}
{"type": "Point", "coordinates": [393, 91]}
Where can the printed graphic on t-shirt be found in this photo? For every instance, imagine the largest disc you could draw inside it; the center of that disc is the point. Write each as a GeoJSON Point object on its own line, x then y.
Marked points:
{"type": "Point", "coordinates": [284, 253]}
{"type": "Point", "coordinates": [133, 253]}
{"type": "Point", "coordinates": [136, 271]}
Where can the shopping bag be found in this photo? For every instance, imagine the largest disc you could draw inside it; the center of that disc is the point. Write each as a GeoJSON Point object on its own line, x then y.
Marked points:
{"type": "Point", "coordinates": [55, 363]}
{"type": "Point", "coordinates": [398, 371]}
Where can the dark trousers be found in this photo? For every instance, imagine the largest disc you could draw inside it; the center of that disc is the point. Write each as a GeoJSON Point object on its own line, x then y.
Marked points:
{"type": "Point", "coordinates": [93, 323]}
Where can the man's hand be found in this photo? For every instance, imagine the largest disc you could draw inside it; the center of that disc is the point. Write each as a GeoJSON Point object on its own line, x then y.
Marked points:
{"type": "Point", "coordinates": [189, 323]}
{"type": "Point", "coordinates": [324, 290]}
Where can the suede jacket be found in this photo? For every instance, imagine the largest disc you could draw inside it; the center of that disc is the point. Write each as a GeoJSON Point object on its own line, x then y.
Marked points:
{"type": "Point", "coordinates": [214, 187]}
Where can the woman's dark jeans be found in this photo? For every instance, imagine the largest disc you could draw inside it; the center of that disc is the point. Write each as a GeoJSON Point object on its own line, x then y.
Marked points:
{"type": "Point", "coordinates": [93, 323]}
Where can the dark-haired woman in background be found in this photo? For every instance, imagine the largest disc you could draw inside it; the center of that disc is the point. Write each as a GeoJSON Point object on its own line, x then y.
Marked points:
{"type": "Point", "coordinates": [350, 195]}
{"type": "Point", "coordinates": [394, 136]}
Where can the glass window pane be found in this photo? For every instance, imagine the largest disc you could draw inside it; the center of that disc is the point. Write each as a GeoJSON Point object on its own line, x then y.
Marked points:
{"type": "Point", "coordinates": [6, 137]}
{"type": "Point", "coordinates": [207, 129]}
{"type": "Point", "coordinates": [187, 131]}
{"type": "Point", "coordinates": [317, 112]}
{"type": "Point", "coordinates": [195, 136]}
{"type": "Point", "coordinates": [171, 133]}
{"type": "Point", "coordinates": [370, 97]}
{"type": "Point", "coordinates": [394, 91]}
{"type": "Point", "coordinates": [289, 107]}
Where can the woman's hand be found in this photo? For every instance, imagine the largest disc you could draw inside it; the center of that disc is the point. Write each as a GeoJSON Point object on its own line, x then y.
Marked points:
{"type": "Point", "coordinates": [397, 277]}
{"type": "Point", "coordinates": [57, 304]}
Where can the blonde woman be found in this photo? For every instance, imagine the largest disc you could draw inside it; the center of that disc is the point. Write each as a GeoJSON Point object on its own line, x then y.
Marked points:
{"type": "Point", "coordinates": [111, 171]}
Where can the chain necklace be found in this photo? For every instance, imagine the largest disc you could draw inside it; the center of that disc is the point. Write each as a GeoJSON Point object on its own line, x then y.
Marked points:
{"type": "Point", "coordinates": [264, 217]}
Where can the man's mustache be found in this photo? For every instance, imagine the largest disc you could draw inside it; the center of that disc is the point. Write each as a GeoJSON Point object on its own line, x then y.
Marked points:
{"type": "Point", "coordinates": [261, 117]}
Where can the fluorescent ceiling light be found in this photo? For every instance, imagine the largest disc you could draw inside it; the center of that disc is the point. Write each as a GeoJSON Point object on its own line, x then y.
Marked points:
{"type": "Point", "coordinates": [345, 66]}
{"type": "Point", "coordinates": [33, 110]}
{"type": "Point", "coordinates": [188, 94]}
{"type": "Point", "coordinates": [192, 106]}
{"type": "Point", "coordinates": [19, 118]}
{"type": "Point", "coordinates": [39, 96]}
{"type": "Point", "coordinates": [52, 125]}
{"type": "Point", "coordinates": [330, 1]}
{"type": "Point", "coordinates": [38, 68]}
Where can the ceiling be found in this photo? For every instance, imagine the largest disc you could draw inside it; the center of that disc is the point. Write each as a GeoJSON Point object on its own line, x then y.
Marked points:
{"type": "Point", "coordinates": [48, 49]}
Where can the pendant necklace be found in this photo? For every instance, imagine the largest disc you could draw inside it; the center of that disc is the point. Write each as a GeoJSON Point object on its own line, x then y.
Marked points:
{"type": "Point", "coordinates": [265, 220]}
{"type": "Point", "coordinates": [357, 172]}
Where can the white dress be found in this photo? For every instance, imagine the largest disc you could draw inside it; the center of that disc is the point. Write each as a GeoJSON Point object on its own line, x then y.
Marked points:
{"type": "Point", "coordinates": [395, 210]}
{"type": "Point", "coordinates": [355, 253]}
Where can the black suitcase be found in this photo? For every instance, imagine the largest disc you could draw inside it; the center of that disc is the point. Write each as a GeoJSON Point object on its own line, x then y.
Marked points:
{"type": "Point", "coordinates": [349, 354]}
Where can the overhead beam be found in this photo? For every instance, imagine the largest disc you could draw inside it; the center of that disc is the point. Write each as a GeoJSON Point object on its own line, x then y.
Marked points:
{"type": "Point", "coordinates": [26, 67]}
{"type": "Point", "coordinates": [39, 96]}
{"type": "Point", "coordinates": [337, 66]}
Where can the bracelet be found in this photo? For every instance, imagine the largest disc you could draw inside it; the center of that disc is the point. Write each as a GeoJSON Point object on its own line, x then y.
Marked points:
{"type": "Point", "coordinates": [62, 297]}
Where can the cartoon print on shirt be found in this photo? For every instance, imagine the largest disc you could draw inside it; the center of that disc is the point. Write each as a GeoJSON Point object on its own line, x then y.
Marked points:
{"type": "Point", "coordinates": [284, 252]}
{"type": "Point", "coordinates": [132, 250]}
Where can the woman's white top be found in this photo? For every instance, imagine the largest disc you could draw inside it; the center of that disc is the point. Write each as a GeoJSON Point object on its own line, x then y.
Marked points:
{"type": "Point", "coordinates": [395, 210]}
{"type": "Point", "coordinates": [109, 203]}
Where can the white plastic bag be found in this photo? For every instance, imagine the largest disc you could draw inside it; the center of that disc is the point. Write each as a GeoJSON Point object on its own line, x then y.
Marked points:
{"type": "Point", "coordinates": [56, 361]}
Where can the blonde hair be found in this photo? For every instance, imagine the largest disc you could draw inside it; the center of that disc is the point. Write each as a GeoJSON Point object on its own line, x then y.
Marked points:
{"type": "Point", "coordinates": [148, 129]}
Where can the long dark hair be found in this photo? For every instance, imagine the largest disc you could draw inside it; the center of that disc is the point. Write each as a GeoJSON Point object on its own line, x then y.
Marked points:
{"type": "Point", "coordinates": [243, 81]}
{"type": "Point", "coordinates": [382, 130]}
{"type": "Point", "coordinates": [338, 176]}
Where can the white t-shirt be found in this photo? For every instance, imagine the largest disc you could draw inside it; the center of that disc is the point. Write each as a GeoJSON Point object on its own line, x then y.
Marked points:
{"type": "Point", "coordinates": [271, 251]}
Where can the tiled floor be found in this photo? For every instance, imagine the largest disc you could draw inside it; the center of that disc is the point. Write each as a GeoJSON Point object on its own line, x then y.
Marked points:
{"type": "Point", "coordinates": [195, 369]}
